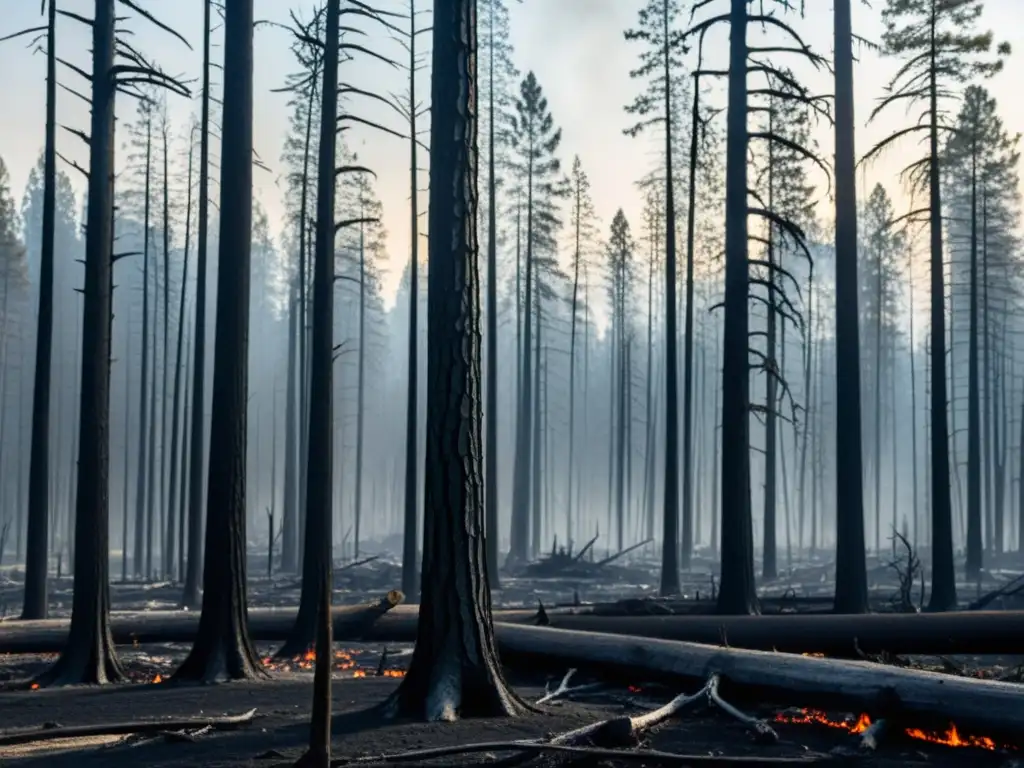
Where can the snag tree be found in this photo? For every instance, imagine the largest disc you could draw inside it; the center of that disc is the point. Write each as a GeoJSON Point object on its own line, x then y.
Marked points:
{"type": "Point", "coordinates": [455, 669]}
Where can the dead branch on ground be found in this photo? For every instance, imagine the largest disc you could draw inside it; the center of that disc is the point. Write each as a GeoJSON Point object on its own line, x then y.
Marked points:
{"type": "Point", "coordinates": [126, 729]}
{"type": "Point", "coordinates": [594, 753]}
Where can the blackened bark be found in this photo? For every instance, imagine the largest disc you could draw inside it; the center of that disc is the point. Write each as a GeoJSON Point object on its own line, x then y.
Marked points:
{"type": "Point", "coordinates": [222, 648]}
{"type": "Point", "coordinates": [455, 669]}
{"type": "Point", "coordinates": [196, 459]}
{"type": "Point", "coordinates": [35, 604]}
{"type": "Point", "coordinates": [151, 525]}
{"type": "Point", "coordinates": [577, 224]}
{"type": "Point", "coordinates": [670, 560]}
{"type": "Point", "coordinates": [360, 387]}
{"type": "Point", "coordinates": [736, 594]}
{"type": "Point", "coordinates": [851, 572]}
{"type": "Point", "coordinates": [536, 436]}
{"type": "Point", "coordinates": [943, 595]}
{"type": "Point", "coordinates": [172, 502]}
{"type": "Point", "coordinates": [289, 525]}
{"type": "Point", "coordinates": [318, 541]}
{"type": "Point", "coordinates": [491, 410]}
{"type": "Point", "coordinates": [974, 511]}
{"type": "Point", "coordinates": [319, 536]}
{"type": "Point", "coordinates": [165, 518]}
{"type": "Point", "coordinates": [89, 656]}
{"type": "Point", "coordinates": [410, 529]}
{"type": "Point", "coordinates": [519, 533]}
{"type": "Point", "coordinates": [769, 545]}
{"type": "Point", "coordinates": [293, 513]}
{"type": "Point", "coordinates": [139, 560]}
{"type": "Point", "coordinates": [184, 479]}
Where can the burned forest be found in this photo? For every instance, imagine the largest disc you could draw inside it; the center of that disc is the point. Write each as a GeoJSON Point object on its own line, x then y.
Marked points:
{"type": "Point", "coordinates": [511, 382]}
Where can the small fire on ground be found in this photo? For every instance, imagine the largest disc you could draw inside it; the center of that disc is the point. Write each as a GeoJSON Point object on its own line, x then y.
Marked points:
{"type": "Point", "coordinates": [343, 661]}
{"type": "Point", "coordinates": [951, 737]}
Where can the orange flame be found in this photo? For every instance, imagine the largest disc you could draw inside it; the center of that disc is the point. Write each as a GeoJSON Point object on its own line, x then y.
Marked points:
{"type": "Point", "coordinates": [158, 679]}
{"type": "Point", "coordinates": [34, 686]}
{"type": "Point", "coordinates": [343, 660]}
{"type": "Point", "coordinates": [818, 717]}
{"type": "Point", "coordinates": [951, 737]}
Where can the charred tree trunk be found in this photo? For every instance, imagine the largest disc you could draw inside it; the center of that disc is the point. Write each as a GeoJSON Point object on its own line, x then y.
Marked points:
{"type": "Point", "coordinates": [491, 412]}
{"type": "Point", "coordinates": [536, 437]}
{"type": "Point", "coordinates": [142, 478]}
{"type": "Point", "coordinates": [736, 594]}
{"type": "Point", "coordinates": [519, 534]}
{"type": "Point", "coordinates": [670, 522]}
{"type": "Point", "coordinates": [974, 480]}
{"type": "Point", "coordinates": [151, 479]}
{"type": "Point", "coordinates": [89, 655]}
{"type": "Point", "coordinates": [943, 595]}
{"type": "Point", "coordinates": [455, 669]}
{"type": "Point", "coordinates": [410, 539]}
{"type": "Point", "coordinates": [769, 569]}
{"type": "Point", "coordinates": [125, 494]}
{"type": "Point", "coordinates": [222, 648]}
{"type": "Point", "coordinates": [360, 390]}
{"type": "Point", "coordinates": [35, 604]}
{"type": "Point", "coordinates": [172, 501]}
{"type": "Point", "coordinates": [318, 532]}
{"type": "Point", "coordinates": [196, 459]}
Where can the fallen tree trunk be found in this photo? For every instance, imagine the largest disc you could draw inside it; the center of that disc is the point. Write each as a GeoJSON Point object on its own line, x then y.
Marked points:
{"type": "Point", "coordinates": [351, 622]}
{"type": "Point", "coordinates": [837, 636]}
{"type": "Point", "coordinates": [834, 635]}
{"type": "Point", "coordinates": [979, 707]}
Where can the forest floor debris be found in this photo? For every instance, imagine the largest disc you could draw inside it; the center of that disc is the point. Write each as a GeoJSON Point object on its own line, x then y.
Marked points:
{"type": "Point", "coordinates": [279, 730]}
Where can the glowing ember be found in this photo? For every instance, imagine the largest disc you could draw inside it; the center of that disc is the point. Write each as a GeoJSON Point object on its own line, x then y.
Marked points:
{"type": "Point", "coordinates": [158, 679]}
{"type": "Point", "coordinates": [34, 686]}
{"type": "Point", "coordinates": [342, 661]}
{"type": "Point", "coordinates": [818, 717]}
{"type": "Point", "coordinates": [951, 737]}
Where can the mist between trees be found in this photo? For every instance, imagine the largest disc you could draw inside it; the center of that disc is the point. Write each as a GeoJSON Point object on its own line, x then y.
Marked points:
{"type": "Point", "coordinates": [580, 318]}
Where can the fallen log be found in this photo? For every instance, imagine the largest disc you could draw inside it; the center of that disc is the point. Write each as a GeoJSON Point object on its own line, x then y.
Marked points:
{"type": "Point", "coordinates": [836, 636]}
{"type": "Point", "coordinates": [980, 707]}
{"type": "Point", "coordinates": [833, 635]}
{"type": "Point", "coordinates": [351, 623]}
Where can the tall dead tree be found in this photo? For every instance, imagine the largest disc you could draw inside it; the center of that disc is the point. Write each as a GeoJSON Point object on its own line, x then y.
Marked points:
{"type": "Point", "coordinates": [89, 655]}
{"type": "Point", "coordinates": [319, 535]}
{"type": "Point", "coordinates": [35, 603]}
{"type": "Point", "coordinates": [222, 648]}
{"type": "Point", "coordinates": [455, 669]}
{"type": "Point", "coordinates": [197, 449]}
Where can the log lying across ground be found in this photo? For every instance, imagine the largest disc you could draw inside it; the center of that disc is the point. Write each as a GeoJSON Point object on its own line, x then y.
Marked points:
{"type": "Point", "coordinates": [351, 622]}
{"type": "Point", "coordinates": [837, 636]}
{"type": "Point", "coordinates": [834, 635]}
{"type": "Point", "coordinates": [978, 707]}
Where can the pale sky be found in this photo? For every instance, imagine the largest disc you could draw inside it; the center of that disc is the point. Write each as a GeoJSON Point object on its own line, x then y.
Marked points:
{"type": "Point", "coordinates": [575, 47]}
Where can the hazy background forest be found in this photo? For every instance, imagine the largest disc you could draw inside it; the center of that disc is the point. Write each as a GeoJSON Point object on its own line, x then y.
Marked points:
{"type": "Point", "coordinates": [575, 53]}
